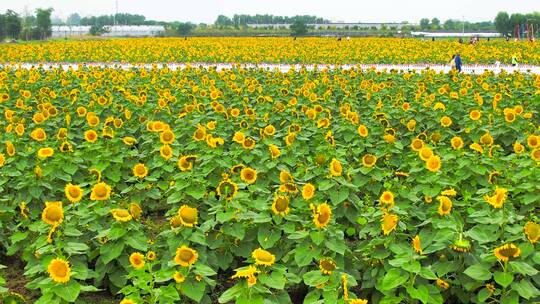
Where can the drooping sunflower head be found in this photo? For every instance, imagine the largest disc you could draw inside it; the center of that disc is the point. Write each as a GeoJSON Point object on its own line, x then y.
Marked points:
{"type": "Point", "coordinates": [322, 215]}
{"type": "Point", "coordinates": [280, 206]}
{"type": "Point", "coordinates": [248, 175]}
{"type": "Point", "coordinates": [135, 210]}
{"type": "Point", "coordinates": [445, 205]}
{"type": "Point", "coordinates": [532, 231]}
{"type": "Point", "coordinates": [100, 192]}
{"type": "Point", "coordinates": [308, 191]}
{"type": "Point", "coordinates": [185, 162]}
{"type": "Point", "coordinates": [274, 151]}
{"type": "Point", "coordinates": [121, 215]}
{"type": "Point", "coordinates": [185, 256]}
{"type": "Point", "coordinates": [327, 265]}
{"type": "Point", "coordinates": [140, 170]}
{"type": "Point", "coordinates": [59, 270]}
{"type": "Point", "coordinates": [461, 245]}
{"type": "Point", "coordinates": [227, 188]}
{"type": "Point", "coordinates": [416, 244]}
{"type": "Point", "coordinates": [136, 260]}
{"type": "Point", "coordinates": [335, 167]}
{"type": "Point", "coordinates": [187, 216]}
{"type": "Point", "coordinates": [389, 223]}
{"type": "Point", "coordinates": [73, 193]}
{"type": "Point", "coordinates": [263, 257]}
{"type": "Point", "coordinates": [53, 214]}
{"type": "Point", "coordinates": [507, 251]}
{"type": "Point", "coordinates": [369, 160]}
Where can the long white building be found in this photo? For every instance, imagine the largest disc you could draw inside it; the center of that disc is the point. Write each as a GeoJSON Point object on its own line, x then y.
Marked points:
{"type": "Point", "coordinates": [336, 25]}
{"type": "Point", "coordinates": [113, 31]}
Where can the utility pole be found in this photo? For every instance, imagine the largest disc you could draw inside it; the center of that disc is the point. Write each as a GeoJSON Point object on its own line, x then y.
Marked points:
{"type": "Point", "coordinates": [114, 17]}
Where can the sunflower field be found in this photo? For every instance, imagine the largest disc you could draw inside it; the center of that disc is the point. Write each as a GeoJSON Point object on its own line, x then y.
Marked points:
{"type": "Point", "coordinates": [256, 186]}
{"type": "Point", "coordinates": [270, 50]}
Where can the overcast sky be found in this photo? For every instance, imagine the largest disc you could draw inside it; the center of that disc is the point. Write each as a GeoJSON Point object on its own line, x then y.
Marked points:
{"type": "Point", "coordinates": [334, 10]}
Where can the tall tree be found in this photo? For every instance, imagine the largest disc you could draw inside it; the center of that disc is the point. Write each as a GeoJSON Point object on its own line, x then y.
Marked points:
{"type": "Point", "coordinates": [74, 19]}
{"type": "Point", "coordinates": [435, 23]}
{"type": "Point", "coordinates": [2, 27]}
{"type": "Point", "coordinates": [502, 23]}
{"type": "Point", "coordinates": [298, 28]}
{"type": "Point", "coordinates": [424, 23]}
{"type": "Point", "coordinates": [13, 24]}
{"type": "Point", "coordinates": [185, 28]}
{"type": "Point", "coordinates": [43, 22]}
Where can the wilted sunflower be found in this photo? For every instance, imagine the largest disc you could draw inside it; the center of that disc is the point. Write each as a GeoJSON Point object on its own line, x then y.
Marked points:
{"type": "Point", "coordinates": [327, 266]}
{"type": "Point", "coordinates": [121, 215]}
{"type": "Point", "coordinates": [248, 175]}
{"type": "Point", "coordinates": [45, 152]}
{"type": "Point", "coordinates": [135, 210]}
{"type": "Point", "coordinates": [227, 188]}
{"type": "Point", "coordinates": [263, 257]}
{"type": "Point", "coordinates": [53, 214]}
{"type": "Point", "coordinates": [140, 170]}
{"type": "Point", "coordinates": [185, 256]}
{"type": "Point", "coordinates": [308, 191]}
{"type": "Point", "coordinates": [73, 193]}
{"type": "Point", "coordinates": [136, 260]}
{"type": "Point", "coordinates": [100, 192]}
{"type": "Point", "coordinates": [507, 251]}
{"type": "Point", "coordinates": [389, 223]}
{"type": "Point", "coordinates": [185, 163]}
{"type": "Point", "coordinates": [369, 160]}
{"type": "Point", "coordinates": [321, 215]}
{"type": "Point", "coordinates": [532, 231]}
{"type": "Point", "coordinates": [280, 206]}
{"type": "Point", "coordinates": [445, 205]}
{"type": "Point", "coordinates": [335, 167]}
{"type": "Point", "coordinates": [59, 270]}
{"type": "Point", "coordinates": [187, 216]}
{"type": "Point", "coordinates": [461, 245]}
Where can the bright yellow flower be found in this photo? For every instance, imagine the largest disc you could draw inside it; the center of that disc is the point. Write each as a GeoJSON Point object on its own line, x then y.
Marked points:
{"type": "Point", "coordinates": [59, 270]}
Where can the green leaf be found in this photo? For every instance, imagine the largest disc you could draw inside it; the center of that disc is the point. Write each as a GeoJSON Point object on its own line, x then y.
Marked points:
{"type": "Point", "coordinates": [336, 245]}
{"type": "Point", "coordinates": [314, 278]}
{"type": "Point", "coordinates": [231, 293]}
{"type": "Point", "coordinates": [194, 290]}
{"type": "Point", "coordinates": [422, 293]}
{"type": "Point", "coordinates": [297, 235]}
{"type": "Point", "coordinates": [76, 248]}
{"type": "Point", "coordinates": [523, 268]}
{"type": "Point", "coordinates": [275, 280]}
{"type": "Point", "coordinates": [69, 292]}
{"type": "Point", "coordinates": [267, 237]}
{"type": "Point", "coordinates": [426, 273]}
{"type": "Point", "coordinates": [317, 237]}
{"type": "Point", "coordinates": [339, 196]}
{"type": "Point", "coordinates": [168, 292]}
{"type": "Point", "coordinates": [392, 279]}
{"type": "Point", "coordinates": [525, 289]}
{"type": "Point", "coordinates": [204, 270]}
{"type": "Point", "coordinates": [503, 278]}
{"type": "Point", "coordinates": [196, 191]}
{"type": "Point", "coordinates": [111, 251]}
{"type": "Point", "coordinates": [479, 272]}
{"type": "Point", "coordinates": [303, 255]}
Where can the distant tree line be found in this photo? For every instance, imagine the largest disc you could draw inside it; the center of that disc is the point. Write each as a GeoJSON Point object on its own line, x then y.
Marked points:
{"type": "Point", "coordinates": [509, 24]}
{"type": "Point", "coordinates": [237, 21]}
{"type": "Point", "coordinates": [104, 20]}
{"type": "Point", "coordinates": [29, 27]}
{"type": "Point", "coordinates": [455, 25]}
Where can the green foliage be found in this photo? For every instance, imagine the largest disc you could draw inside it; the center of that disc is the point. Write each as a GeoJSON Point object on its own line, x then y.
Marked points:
{"type": "Point", "coordinates": [298, 28]}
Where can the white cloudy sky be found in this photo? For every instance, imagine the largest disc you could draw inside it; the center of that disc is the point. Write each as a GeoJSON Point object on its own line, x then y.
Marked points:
{"type": "Point", "coordinates": [335, 10]}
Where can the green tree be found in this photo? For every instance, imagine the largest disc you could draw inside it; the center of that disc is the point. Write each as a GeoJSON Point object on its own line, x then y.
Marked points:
{"type": "Point", "coordinates": [424, 23]}
{"type": "Point", "coordinates": [43, 22]}
{"type": "Point", "coordinates": [2, 27]}
{"type": "Point", "coordinates": [298, 28]}
{"type": "Point", "coordinates": [13, 24]}
{"type": "Point", "coordinates": [98, 30]}
{"type": "Point", "coordinates": [184, 28]}
{"type": "Point", "coordinates": [502, 23]}
{"type": "Point", "coordinates": [74, 19]}
{"type": "Point", "coordinates": [435, 23]}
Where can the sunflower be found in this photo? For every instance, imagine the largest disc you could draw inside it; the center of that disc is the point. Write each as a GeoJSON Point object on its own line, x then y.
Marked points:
{"type": "Point", "coordinates": [90, 136]}
{"type": "Point", "coordinates": [53, 214]}
{"type": "Point", "coordinates": [10, 148]}
{"type": "Point", "coordinates": [45, 152]}
{"type": "Point", "coordinates": [129, 141]}
{"type": "Point", "coordinates": [363, 131]}
{"type": "Point", "coordinates": [239, 137]}
{"type": "Point", "coordinates": [38, 134]}
{"type": "Point", "coordinates": [358, 301]}
{"type": "Point", "coordinates": [285, 177]}
{"type": "Point", "coordinates": [461, 245]}
{"type": "Point", "coordinates": [416, 244]}
{"type": "Point", "coordinates": [248, 175]}
{"type": "Point", "coordinates": [249, 143]}
{"type": "Point", "coordinates": [166, 152]}
{"type": "Point", "coordinates": [290, 138]}
{"type": "Point", "coordinates": [327, 265]}
{"type": "Point", "coordinates": [457, 142]}
{"type": "Point", "coordinates": [263, 257]}
{"type": "Point", "coordinates": [411, 125]}
{"type": "Point", "coordinates": [274, 151]}
{"type": "Point", "coordinates": [518, 148]}
{"type": "Point", "coordinates": [308, 191]}
{"type": "Point", "coordinates": [507, 251]}
{"type": "Point", "coordinates": [443, 284]}
{"type": "Point", "coordinates": [475, 114]}
{"type": "Point", "coordinates": [2, 160]}
{"type": "Point", "coordinates": [227, 188]}
{"type": "Point", "coordinates": [151, 255]}
{"type": "Point", "coordinates": [135, 210]}
{"type": "Point", "coordinates": [185, 256]}
{"type": "Point", "coordinates": [535, 154]}
{"type": "Point", "coordinates": [369, 160]}
{"type": "Point", "coordinates": [532, 231]}
{"type": "Point", "coordinates": [335, 167]}
{"type": "Point", "coordinates": [498, 198]}
{"type": "Point", "coordinates": [187, 216]}
{"type": "Point", "coordinates": [446, 121]}
{"type": "Point", "coordinates": [533, 141]}
{"type": "Point", "coordinates": [140, 170]}
{"type": "Point", "coordinates": [425, 153]}
{"type": "Point", "coordinates": [245, 272]}
{"type": "Point", "coordinates": [100, 192]}
{"type": "Point", "coordinates": [387, 199]}
{"type": "Point", "coordinates": [269, 130]}
{"type": "Point", "coordinates": [73, 193]}
{"type": "Point", "coordinates": [445, 205]}
{"type": "Point", "coordinates": [178, 277]}
{"type": "Point", "coordinates": [449, 192]}
{"type": "Point", "coordinates": [433, 164]}
{"type": "Point", "coordinates": [486, 139]}
{"type": "Point", "coordinates": [417, 144]}
{"type": "Point", "coordinates": [280, 206]}
{"type": "Point", "coordinates": [166, 137]}
{"type": "Point", "coordinates": [59, 270]}
{"type": "Point", "coordinates": [127, 301]}
{"type": "Point", "coordinates": [321, 215]}
{"type": "Point", "coordinates": [476, 147]}
{"type": "Point", "coordinates": [185, 163]}
{"type": "Point", "coordinates": [121, 215]}
{"type": "Point", "coordinates": [136, 260]}
{"type": "Point", "coordinates": [389, 223]}
{"type": "Point", "coordinates": [200, 133]}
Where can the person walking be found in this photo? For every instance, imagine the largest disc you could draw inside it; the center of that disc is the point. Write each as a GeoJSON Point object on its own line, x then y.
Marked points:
{"type": "Point", "coordinates": [452, 62]}
{"type": "Point", "coordinates": [514, 60]}
{"type": "Point", "coordinates": [457, 59]}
